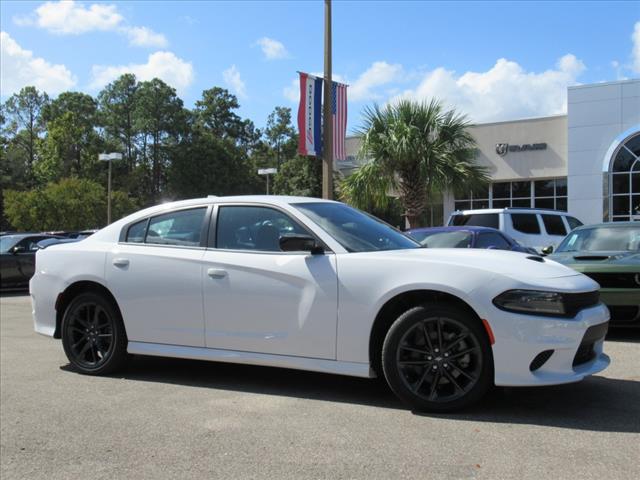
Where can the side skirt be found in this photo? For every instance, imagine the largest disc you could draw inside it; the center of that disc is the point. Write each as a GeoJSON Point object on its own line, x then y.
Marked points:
{"type": "Point", "coordinates": [351, 369]}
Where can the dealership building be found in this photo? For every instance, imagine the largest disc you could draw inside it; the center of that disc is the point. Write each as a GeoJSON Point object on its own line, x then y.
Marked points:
{"type": "Point", "coordinates": [586, 162]}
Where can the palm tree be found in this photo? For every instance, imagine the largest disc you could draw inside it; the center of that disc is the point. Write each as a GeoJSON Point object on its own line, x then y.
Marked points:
{"type": "Point", "coordinates": [416, 150]}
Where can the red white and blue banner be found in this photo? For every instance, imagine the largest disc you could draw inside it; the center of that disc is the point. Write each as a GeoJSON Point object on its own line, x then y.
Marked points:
{"type": "Point", "coordinates": [309, 115]}
{"type": "Point", "coordinates": [339, 112]}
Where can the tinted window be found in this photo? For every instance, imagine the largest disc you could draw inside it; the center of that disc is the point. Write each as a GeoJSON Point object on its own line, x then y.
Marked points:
{"type": "Point", "coordinates": [182, 228]}
{"type": "Point", "coordinates": [136, 232]}
{"type": "Point", "coordinates": [253, 228]}
{"type": "Point", "coordinates": [30, 244]}
{"type": "Point", "coordinates": [573, 222]}
{"type": "Point", "coordinates": [476, 220]}
{"type": "Point", "coordinates": [525, 222]}
{"type": "Point", "coordinates": [355, 230]}
{"type": "Point", "coordinates": [492, 239]}
{"type": "Point", "coordinates": [554, 225]}
{"type": "Point", "coordinates": [458, 239]}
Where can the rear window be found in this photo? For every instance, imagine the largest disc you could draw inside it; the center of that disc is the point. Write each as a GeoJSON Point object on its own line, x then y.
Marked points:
{"type": "Point", "coordinates": [554, 225]}
{"type": "Point", "coordinates": [476, 220]}
{"type": "Point", "coordinates": [525, 222]}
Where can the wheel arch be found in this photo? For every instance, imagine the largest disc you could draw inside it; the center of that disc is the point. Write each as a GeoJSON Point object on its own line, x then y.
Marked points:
{"type": "Point", "coordinates": [71, 292]}
{"type": "Point", "coordinates": [399, 304]}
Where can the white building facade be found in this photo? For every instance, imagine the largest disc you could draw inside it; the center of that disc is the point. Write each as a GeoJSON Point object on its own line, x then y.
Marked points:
{"type": "Point", "coordinates": [586, 162]}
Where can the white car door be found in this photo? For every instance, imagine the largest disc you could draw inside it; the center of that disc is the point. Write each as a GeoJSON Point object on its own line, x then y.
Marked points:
{"type": "Point", "coordinates": [155, 273]}
{"type": "Point", "coordinates": [260, 299]}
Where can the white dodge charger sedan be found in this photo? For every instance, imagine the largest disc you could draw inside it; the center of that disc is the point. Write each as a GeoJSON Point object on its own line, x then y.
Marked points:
{"type": "Point", "coordinates": [317, 285]}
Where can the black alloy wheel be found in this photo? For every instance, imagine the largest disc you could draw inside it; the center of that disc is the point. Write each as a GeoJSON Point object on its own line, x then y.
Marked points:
{"type": "Point", "coordinates": [437, 358]}
{"type": "Point", "coordinates": [93, 335]}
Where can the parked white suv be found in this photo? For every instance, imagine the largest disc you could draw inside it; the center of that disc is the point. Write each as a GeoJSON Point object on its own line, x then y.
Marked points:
{"type": "Point", "coordinates": [532, 227]}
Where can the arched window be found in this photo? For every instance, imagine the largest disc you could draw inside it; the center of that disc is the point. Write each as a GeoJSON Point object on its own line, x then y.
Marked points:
{"type": "Point", "coordinates": [625, 181]}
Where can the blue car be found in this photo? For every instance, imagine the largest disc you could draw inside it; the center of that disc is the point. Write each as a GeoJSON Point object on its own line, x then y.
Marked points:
{"type": "Point", "coordinates": [466, 237]}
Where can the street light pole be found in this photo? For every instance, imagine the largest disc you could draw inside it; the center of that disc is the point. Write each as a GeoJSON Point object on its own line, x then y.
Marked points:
{"type": "Point", "coordinates": [327, 154]}
{"type": "Point", "coordinates": [267, 172]}
{"type": "Point", "coordinates": [109, 157]}
{"type": "Point", "coordinates": [109, 196]}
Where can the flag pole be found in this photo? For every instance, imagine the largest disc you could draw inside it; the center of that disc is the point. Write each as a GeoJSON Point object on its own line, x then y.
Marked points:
{"type": "Point", "coordinates": [327, 149]}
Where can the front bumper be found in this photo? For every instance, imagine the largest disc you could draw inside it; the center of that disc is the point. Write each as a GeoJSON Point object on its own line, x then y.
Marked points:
{"type": "Point", "coordinates": [519, 339]}
{"type": "Point", "coordinates": [624, 305]}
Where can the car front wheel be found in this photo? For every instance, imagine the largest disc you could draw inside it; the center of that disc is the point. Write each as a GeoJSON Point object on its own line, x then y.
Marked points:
{"type": "Point", "coordinates": [93, 335]}
{"type": "Point", "coordinates": [437, 358]}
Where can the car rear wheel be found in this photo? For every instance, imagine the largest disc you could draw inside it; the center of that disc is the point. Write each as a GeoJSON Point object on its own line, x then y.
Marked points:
{"type": "Point", "coordinates": [437, 358]}
{"type": "Point", "coordinates": [93, 335]}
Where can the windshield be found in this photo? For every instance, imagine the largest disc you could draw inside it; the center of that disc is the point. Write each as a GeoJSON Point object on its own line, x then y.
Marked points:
{"type": "Point", "coordinates": [354, 230]}
{"type": "Point", "coordinates": [602, 239]}
{"type": "Point", "coordinates": [458, 239]}
{"type": "Point", "coordinates": [7, 242]}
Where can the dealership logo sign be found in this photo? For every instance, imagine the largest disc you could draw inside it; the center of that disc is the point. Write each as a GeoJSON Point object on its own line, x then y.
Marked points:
{"type": "Point", "coordinates": [503, 148]}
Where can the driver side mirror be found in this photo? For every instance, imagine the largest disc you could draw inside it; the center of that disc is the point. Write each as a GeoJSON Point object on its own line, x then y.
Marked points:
{"type": "Point", "coordinates": [547, 250]}
{"type": "Point", "coordinates": [296, 242]}
{"type": "Point", "coordinates": [18, 249]}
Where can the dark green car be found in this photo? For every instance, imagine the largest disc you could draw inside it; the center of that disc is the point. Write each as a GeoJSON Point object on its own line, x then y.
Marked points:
{"type": "Point", "coordinates": [609, 253]}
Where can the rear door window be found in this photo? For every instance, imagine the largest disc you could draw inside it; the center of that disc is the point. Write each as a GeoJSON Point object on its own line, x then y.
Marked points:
{"type": "Point", "coordinates": [181, 228]}
{"type": "Point", "coordinates": [136, 232]}
{"type": "Point", "coordinates": [525, 222]}
{"type": "Point", "coordinates": [476, 220]}
{"type": "Point", "coordinates": [554, 225]}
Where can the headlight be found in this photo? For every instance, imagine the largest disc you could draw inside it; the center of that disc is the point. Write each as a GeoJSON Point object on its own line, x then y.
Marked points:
{"type": "Point", "coordinates": [531, 301]}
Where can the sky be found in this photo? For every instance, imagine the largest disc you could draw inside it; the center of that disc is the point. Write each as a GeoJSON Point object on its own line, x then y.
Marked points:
{"type": "Point", "coordinates": [492, 61]}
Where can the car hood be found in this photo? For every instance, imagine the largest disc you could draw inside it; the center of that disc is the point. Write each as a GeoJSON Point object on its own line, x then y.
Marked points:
{"type": "Point", "coordinates": [613, 258]}
{"type": "Point", "coordinates": [513, 264]}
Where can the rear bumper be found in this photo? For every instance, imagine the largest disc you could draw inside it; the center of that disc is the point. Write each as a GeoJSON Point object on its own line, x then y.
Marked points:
{"type": "Point", "coordinates": [44, 292]}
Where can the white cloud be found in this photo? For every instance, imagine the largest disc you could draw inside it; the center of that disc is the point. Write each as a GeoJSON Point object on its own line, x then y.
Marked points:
{"type": "Point", "coordinates": [20, 68]}
{"type": "Point", "coordinates": [379, 73]}
{"type": "Point", "coordinates": [67, 17]}
{"type": "Point", "coordinates": [235, 83]}
{"type": "Point", "coordinates": [145, 37]}
{"type": "Point", "coordinates": [635, 52]}
{"type": "Point", "coordinates": [272, 49]}
{"type": "Point", "coordinates": [505, 91]}
{"type": "Point", "coordinates": [163, 65]}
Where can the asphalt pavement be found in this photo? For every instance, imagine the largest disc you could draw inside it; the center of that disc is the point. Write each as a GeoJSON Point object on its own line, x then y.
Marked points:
{"type": "Point", "coordinates": [169, 418]}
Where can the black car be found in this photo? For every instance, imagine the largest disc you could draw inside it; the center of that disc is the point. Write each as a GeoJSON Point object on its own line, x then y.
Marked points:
{"type": "Point", "coordinates": [18, 258]}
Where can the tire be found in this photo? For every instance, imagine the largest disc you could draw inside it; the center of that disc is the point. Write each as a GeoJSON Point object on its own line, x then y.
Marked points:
{"type": "Point", "coordinates": [448, 368]}
{"type": "Point", "coordinates": [93, 335]}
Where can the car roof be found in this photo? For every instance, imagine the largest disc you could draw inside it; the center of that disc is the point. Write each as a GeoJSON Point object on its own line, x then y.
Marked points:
{"type": "Point", "coordinates": [509, 210]}
{"type": "Point", "coordinates": [470, 228]}
{"type": "Point", "coordinates": [20, 236]}
{"type": "Point", "coordinates": [609, 225]}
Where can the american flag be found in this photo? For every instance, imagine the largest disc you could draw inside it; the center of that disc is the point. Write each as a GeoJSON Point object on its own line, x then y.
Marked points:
{"type": "Point", "coordinates": [339, 111]}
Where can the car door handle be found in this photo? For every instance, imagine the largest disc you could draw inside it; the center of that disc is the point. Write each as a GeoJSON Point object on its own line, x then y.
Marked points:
{"type": "Point", "coordinates": [217, 273]}
{"type": "Point", "coordinates": [121, 262]}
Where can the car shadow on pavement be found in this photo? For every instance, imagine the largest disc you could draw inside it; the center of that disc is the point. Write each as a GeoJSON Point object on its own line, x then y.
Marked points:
{"type": "Point", "coordinates": [626, 334]}
{"type": "Point", "coordinates": [595, 404]}
{"type": "Point", "coordinates": [14, 293]}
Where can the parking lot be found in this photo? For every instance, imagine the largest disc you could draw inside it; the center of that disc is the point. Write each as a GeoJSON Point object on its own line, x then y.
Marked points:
{"type": "Point", "coordinates": [167, 418]}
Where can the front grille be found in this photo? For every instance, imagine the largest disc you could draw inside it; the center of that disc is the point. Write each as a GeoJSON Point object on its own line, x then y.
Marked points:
{"type": "Point", "coordinates": [621, 314]}
{"type": "Point", "coordinates": [575, 302]}
{"type": "Point", "coordinates": [586, 351]}
{"type": "Point", "coordinates": [616, 280]}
